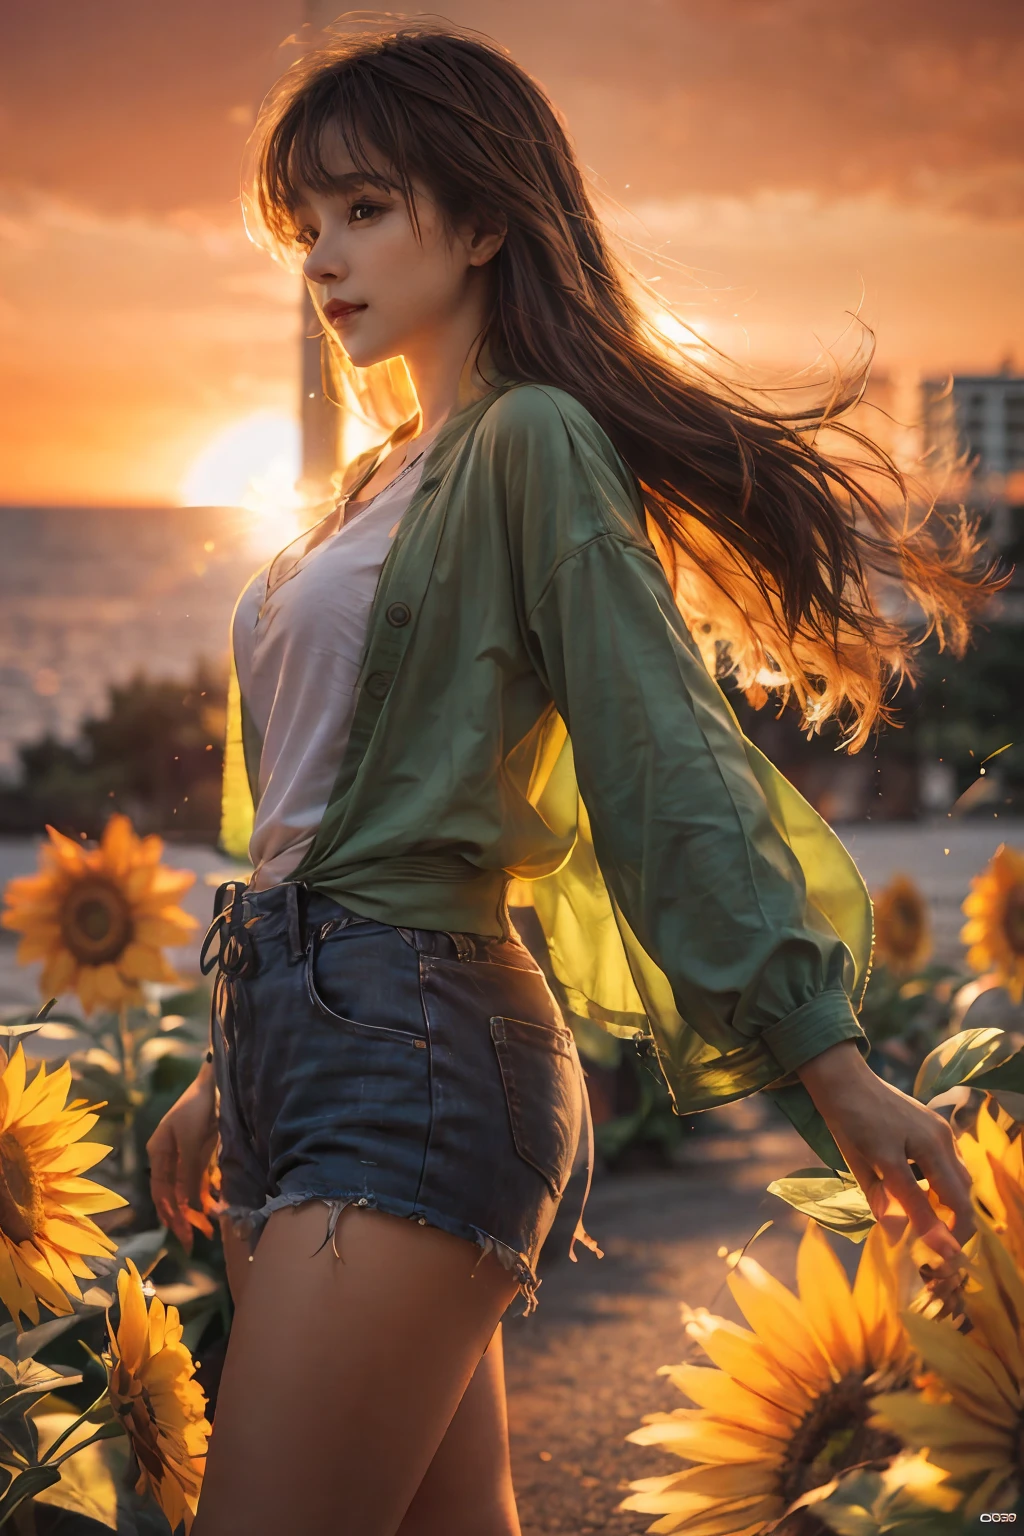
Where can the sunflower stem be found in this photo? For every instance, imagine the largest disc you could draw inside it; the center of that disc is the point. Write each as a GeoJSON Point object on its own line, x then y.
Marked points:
{"type": "Point", "coordinates": [106, 1432]}
{"type": "Point", "coordinates": [127, 1044]}
{"type": "Point", "coordinates": [70, 1431]}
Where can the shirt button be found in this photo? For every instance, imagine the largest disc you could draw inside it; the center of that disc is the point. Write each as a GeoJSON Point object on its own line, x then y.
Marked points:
{"type": "Point", "coordinates": [399, 614]}
{"type": "Point", "coordinates": [377, 684]}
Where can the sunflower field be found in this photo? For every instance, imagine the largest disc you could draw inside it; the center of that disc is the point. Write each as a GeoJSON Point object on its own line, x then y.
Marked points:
{"type": "Point", "coordinates": [892, 1401]}
{"type": "Point", "coordinates": [882, 1395]}
{"type": "Point", "coordinates": [103, 1416]}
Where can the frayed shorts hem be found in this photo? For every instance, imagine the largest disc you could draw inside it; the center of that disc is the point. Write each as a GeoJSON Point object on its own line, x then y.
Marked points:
{"type": "Point", "coordinates": [248, 1224]}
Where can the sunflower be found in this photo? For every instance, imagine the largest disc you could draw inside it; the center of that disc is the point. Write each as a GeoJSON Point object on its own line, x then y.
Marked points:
{"type": "Point", "coordinates": [790, 1403]}
{"type": "Point", "coordinates": [902, 935]}
{"type": "Point", "coordinates": [968, 1412]}
{"type": "Point", "coordinates": [154, 1394]}
{"type": "Point", "coordinates": [994, 932]}
{"type": "Point", "coordinates": [988, 1150]}
{"type": "Point", "coordinates": [98, 917]}
{"type": "Point", "coordinates": [45, 1204]}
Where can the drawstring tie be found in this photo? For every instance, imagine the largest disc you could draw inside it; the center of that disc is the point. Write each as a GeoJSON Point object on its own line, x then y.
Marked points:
{"type": "Point", "coordinates": [236, 953]}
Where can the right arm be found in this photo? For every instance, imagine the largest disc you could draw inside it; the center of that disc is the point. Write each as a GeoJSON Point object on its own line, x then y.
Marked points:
{"type": "Point", "coordinates": [179, 1153]}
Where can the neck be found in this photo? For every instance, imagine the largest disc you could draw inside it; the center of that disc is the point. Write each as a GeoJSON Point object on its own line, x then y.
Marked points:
{"type": "Point", "coordinates": [442, 365]}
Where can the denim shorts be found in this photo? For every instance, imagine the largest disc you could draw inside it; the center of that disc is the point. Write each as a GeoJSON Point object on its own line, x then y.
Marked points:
{"type": "Point", "coordinates": [414, 1071]}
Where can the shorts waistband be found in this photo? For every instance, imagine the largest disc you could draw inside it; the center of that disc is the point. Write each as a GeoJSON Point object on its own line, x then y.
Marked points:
{"type": "Point", "coordinates": [302, 914]}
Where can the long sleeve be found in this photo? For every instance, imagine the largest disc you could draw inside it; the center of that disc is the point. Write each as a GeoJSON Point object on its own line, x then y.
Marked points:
{"type": "Point", "coordinates": [692, 850]}
{"type": "Point", "coordinates": [680, 825]}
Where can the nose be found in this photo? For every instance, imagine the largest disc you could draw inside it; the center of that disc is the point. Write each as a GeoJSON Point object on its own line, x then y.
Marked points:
{"type": "Point", "coordinates": [323, 265]}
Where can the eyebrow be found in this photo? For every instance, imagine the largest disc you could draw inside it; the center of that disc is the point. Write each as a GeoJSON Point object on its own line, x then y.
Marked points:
{"type": "Point", "coordinates": [351, 181]}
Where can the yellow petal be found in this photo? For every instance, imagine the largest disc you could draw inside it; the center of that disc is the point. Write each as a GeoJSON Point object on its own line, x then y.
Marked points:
{"type": "Point", "coordinates": [701, 1438]}
{"type": "Point", "coordinates": [109, 987]}
{"type": "Point", "coordinates": [828, 1302]}
{"type": "Point", "coordinates": [38, 944]}
{"type": "Point", "coordinates": [779, 1321]}
{"type": "Point", "coordinates": [144, 962]}
{"type": "Point", "coordinates": [737, 1351]}
{"type": "Point", "coordinates": [165, 929]}
{"type": "Point", "coordinates": [118, 845]}
{"type": "Point", "coordinates": [133, 1329]}
{"type": "Point", "coordinates": [60, 974]}
{"type": "Point", "coordinates": [728, 1399]}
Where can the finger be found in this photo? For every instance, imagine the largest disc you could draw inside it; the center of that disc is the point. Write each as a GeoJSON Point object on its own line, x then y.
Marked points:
{"type": "Point", "coordinates": [900, 1183]}
{"type": "Point", "coordinates": [950, 1180]}
{"type": "Point", "coordinates": [163, 1167]}
{"type": "Point", "coordinates": [164, 1162]}
{"type": "Point", "coordinates": [191, 1168]}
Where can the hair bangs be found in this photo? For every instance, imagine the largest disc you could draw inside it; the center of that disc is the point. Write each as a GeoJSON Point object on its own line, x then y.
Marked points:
{"type": "Point", "coordinates": [291, 154]}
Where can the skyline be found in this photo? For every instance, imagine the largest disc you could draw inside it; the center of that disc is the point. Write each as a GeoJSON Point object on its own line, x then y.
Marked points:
{"type": "Point", "coordinates": [791, 159]}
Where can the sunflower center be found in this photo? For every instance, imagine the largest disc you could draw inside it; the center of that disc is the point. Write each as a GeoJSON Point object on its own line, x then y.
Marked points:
{"type": "Point", "coordinates": [834, 1435]}
{"type": "Point", "coordinates": [95, 922]}
{"type": "Point", "coordinates": [1013, 919]}
{"type": "Point", "coordinates": [20, 1201]}
{"type": "Point", "coordinates": [903, 928]}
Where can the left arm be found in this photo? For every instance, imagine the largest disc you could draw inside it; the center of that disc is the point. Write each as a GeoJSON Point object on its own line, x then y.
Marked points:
{"type": "Point", "coordinates": [708, 884]}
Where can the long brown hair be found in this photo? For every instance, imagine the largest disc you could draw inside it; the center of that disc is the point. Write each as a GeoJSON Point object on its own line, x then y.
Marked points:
{"type": "Point", "coordinates": [779, 554]}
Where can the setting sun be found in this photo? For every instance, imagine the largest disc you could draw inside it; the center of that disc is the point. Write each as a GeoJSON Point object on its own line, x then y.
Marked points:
{"type": "Point", "coordinates": [254, 463]}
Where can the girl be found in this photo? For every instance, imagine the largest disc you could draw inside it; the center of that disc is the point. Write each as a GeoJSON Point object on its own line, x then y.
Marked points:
{"type": "Point", "coordinates": [476, 670]}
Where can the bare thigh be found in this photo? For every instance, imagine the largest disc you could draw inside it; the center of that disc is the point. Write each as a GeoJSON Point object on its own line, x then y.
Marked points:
{"type": "Point", "coordinates": [467, 1489]}
{"type": "Point", "coordinates": [343, 1374]}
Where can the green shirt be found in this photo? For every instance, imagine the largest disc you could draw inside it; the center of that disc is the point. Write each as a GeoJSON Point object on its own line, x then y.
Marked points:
{"type": "Point", "coordinates": [532, 708]}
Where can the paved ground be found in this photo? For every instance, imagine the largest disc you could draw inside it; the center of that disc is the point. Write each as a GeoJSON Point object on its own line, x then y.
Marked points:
{"type": "Point", "coordinates": [581, 1370]}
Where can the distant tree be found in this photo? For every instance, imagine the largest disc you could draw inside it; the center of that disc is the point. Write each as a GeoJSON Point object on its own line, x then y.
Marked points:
{"type": "Point", "coordinates": [156, 754]}
{"type": "Point", "coordinates": [958, 712]}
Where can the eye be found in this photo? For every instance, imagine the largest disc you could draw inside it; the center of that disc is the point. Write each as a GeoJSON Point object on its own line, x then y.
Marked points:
{"type": "Point", "coordinates": [306, 238]}
{"type": "Point", "coordinates": [360, 212]}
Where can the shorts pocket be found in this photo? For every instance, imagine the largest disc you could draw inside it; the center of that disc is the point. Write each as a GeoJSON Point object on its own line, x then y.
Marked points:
{"type": "Point", "coordinates": [542, 1089]}
{"type": "Point", "coordinates": [354, 1026]}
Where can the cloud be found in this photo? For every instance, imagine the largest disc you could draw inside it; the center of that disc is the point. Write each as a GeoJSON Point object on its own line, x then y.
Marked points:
{"type": "Point", "coordinates": [134, 106]}
{"type": "Point", "coordinates": [125, 342]}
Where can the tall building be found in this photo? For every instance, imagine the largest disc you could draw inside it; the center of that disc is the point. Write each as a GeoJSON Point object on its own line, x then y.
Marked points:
{"type": "Point", "coordinates": [973, 431]}
{"type": "Point", "coordinates": [980, 414]}
{"type": "Point", "coordinates": [321, 418]}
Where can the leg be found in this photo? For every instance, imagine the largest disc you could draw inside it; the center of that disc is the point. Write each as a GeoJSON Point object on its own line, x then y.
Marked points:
{"type": "Point", "coordinates": [236, 1259]}
{"type": "Point", "coordinates": [342, 1374]}
{"type": "Point", "coordinates": [467, 1490]}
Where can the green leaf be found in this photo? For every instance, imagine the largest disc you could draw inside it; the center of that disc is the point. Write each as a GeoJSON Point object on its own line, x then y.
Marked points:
{"type": "Point", "coordinates": [145, 1249]}
{"type": "Point", "coordinates": [863, 1502]}
{"type": "Point", "coordinates": [24, 1381]}
{"type": "Point", "coordinates": [27, 1485]}
{"type": "Point", "coordinates": [798, 1107]}
{"type": "Point", "coordinates": [595, 1043]}
{"type": "Point", "coordinates": [833, 1200]}
{"type": "Point", "coordinates": [87, 1479]}
{"type": "Point", "coordinates": [964, 1058]}
{"type": "Point", "coordinates": [22, 1346]}
{"type": "Point", "coordinates": [195, 1002]}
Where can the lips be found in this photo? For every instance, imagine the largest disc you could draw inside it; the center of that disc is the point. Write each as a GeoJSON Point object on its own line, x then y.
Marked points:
{"type": "Point", "coordinates": [337, 310]}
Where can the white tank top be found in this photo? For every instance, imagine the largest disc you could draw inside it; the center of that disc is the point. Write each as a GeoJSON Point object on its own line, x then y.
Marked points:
{"type": "Point", "coordinates": [298, 655]}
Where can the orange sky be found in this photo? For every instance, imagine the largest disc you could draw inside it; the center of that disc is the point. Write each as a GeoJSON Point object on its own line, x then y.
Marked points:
{"type": "Point", "coordinates": [793, 155]}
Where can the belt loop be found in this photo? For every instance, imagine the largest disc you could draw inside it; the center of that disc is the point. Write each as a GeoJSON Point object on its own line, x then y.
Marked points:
{"type": "Point", "coordinates": [464, 949]}
{"type": "Point", "coordinates": [295, 914]}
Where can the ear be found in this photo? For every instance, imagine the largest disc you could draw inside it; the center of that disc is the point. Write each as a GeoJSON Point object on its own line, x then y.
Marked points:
{"type": "Point", "coordinates": [483, 242]}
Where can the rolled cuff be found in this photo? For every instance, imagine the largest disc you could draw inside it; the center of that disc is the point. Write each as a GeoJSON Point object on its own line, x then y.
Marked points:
{"type": "Point", "coordinates": [812, 1028]}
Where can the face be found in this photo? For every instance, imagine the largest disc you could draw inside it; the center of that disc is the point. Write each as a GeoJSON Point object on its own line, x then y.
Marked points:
{"type": "Point", "coordinates": [385, 287]}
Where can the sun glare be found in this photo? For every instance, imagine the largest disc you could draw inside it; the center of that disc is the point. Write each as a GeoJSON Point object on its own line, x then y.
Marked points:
{"type": "Point", "coordinates": [254, 463]}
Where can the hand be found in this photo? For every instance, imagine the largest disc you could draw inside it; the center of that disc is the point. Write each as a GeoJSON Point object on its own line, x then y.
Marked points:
{"type": "Point", "coordinates": [880, 1131]}
{"type": "Point", "coordinates": [179, 1152]}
